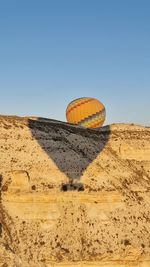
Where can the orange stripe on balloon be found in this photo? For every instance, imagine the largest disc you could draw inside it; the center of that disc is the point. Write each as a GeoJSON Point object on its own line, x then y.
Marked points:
{"type": "Point", "coordinates": [84, 102]}
{"type": "Point", "coordinates": [96, 124]}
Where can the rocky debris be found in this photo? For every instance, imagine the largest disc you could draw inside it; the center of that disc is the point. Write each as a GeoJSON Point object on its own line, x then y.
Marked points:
{"type": "Point", "coordinates": [72, 196]}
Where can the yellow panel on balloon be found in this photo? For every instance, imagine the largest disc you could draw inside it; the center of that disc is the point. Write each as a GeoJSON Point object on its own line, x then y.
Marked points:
{"type": "Point", "coordinates": [87, 112]}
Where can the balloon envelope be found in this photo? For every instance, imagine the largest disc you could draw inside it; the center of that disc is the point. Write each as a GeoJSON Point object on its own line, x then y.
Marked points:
{"type": "Point", "coordinates": [87, 112]}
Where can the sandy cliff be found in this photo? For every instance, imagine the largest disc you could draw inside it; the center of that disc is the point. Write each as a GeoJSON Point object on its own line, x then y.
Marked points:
{"type": "Point", "coordinates": [72, 196]}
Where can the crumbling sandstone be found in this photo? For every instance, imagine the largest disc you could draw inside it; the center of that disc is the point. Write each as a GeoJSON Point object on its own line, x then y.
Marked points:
{"type": "Point", "coordinates": [72, 196]}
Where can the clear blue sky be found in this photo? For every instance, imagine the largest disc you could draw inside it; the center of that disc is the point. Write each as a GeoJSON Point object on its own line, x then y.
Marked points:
{"type": "Point", "coordinates": [52, 51]}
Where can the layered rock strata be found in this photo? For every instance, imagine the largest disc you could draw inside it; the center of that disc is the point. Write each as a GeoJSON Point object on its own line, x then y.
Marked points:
{"type": "Point", "coordinates": [72, 196]}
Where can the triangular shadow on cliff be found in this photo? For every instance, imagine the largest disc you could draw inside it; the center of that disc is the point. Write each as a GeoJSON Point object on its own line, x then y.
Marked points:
{"type": "Point", "coordinates": [72, 148]}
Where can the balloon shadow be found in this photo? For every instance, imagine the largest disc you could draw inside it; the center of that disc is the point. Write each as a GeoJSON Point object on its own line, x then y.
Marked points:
{"type": "Point", "coordinates": [72, 148]}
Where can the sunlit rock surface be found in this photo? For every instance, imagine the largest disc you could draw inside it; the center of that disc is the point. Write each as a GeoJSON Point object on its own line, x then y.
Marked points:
{"type": "Point", "coordinates": [72, 196]}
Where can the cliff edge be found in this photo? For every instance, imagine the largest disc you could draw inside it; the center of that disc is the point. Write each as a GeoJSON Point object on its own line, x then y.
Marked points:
{"type": "Point", "coordinates": [72, 196]}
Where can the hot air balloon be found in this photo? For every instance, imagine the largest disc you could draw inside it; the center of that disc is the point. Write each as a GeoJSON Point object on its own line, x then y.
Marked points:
{"type": "Point", "coordinates": [87, 112]}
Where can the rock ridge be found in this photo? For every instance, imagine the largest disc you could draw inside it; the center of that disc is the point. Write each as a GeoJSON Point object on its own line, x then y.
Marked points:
{"type": "Point", "coordinates": [72, 196]}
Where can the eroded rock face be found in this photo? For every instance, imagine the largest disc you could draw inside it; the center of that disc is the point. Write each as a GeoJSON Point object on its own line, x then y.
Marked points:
{"type": "Point", "coordinates": [73, 196]}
